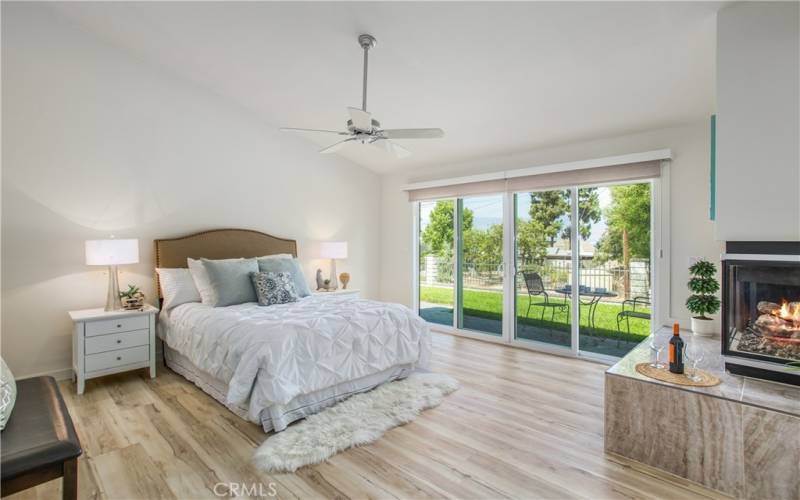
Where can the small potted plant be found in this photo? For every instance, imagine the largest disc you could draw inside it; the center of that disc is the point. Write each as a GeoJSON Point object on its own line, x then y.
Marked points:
{"type": "Point", "coordinates": [703, 301]}
{"type": "Point", "coordinates": [132, 298]}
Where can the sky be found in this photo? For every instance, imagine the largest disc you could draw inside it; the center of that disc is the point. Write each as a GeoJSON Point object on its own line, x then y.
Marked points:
{"type": "Point", "coordinates": [488, 210]}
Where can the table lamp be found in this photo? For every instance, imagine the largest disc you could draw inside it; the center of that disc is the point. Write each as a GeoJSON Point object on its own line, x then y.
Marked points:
{"type": "Point", "coordinates": [333, 250]}
{"type": "Point", "coordinates": [112, 253]}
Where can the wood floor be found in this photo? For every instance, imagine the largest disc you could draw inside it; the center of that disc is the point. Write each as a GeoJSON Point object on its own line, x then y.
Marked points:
{"type": "Point", "coordinates": [523, 425]}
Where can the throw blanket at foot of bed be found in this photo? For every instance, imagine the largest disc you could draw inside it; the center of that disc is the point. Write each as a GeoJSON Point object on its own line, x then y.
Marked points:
{"type": "Point", "coordinates": [360, 420]}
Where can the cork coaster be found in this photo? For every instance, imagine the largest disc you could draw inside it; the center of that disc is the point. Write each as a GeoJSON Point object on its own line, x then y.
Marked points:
{"type": "Point", "coordinates": [706, 379]}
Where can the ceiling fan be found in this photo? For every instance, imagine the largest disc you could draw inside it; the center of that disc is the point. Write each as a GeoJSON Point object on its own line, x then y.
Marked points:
{"type": "Point", "coordinates": [362, 128]}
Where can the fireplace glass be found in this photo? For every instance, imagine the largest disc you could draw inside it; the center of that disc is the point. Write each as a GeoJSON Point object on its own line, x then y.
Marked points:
{"type": "Point", "coordinates": [761, 310]}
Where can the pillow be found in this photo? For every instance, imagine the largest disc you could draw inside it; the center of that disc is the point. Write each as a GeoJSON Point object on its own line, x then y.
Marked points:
{"type": "Point", "coordinates": [288, 265]}
{"type": "Point", "coordinates": [229, 281]}
{"type": "Point", "coordinates": [200, 278]}
{"type": "Point", "coordinates": [274, 288]}
{"type": "Point", "coordinates": [177, 287]}
{"type": "Point", "coordinates": [8, 393]}
{"type": "Point", "coordinates": [277, 256]}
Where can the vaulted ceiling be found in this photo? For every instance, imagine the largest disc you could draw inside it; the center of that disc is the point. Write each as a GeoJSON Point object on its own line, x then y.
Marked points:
{"type": "Point", "coordinates": [498, 77]}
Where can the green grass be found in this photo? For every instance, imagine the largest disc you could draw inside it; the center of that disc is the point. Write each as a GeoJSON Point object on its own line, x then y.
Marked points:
{"type": "Point", "coordinates": [489, 305]}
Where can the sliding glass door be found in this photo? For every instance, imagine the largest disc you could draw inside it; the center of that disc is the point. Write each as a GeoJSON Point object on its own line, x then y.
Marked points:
{"type": "Point", "coordinates": [567, 268]}
{"type": "Point", "coordinates": [436, 239]}
{"type": "Point", "coordinates": [543, 252]}
{"type": "Point", "coordinates": [615, 275]}
{"type": "Point", "coordinates": [480, 264]}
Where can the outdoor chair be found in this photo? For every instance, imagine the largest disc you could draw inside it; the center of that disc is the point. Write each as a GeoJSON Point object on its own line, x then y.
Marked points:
{"type": "Point", "coordinates": [635, 309]}
{"type": "Point", "coordinates": [535, 286]}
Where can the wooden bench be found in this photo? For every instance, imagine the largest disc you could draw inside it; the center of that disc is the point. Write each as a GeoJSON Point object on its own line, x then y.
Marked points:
{"type": "Point", "coordinates": [39, 442]}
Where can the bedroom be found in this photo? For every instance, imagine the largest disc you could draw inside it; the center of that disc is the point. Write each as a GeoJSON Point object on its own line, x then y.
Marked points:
{"type": "Point", "coordinates": [158, 121]}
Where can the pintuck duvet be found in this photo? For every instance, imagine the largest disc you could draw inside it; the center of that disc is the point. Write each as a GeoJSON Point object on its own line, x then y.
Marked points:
{"type": "Point", "coordinates": [271, 355]}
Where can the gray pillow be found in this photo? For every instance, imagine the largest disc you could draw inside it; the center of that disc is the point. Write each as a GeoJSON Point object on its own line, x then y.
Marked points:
{"type": "Point", "coordinates": [288, 265]}
{"type": "Point", "coordinates": [274, 288]}
{"type": "Point", "coordinates": [229, 281]}
{"type": "Point", "coordinates": [8, 393]}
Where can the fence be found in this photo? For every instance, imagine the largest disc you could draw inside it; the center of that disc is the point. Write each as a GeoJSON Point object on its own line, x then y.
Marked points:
{"type": "Point", "coordinates": [435, 271]}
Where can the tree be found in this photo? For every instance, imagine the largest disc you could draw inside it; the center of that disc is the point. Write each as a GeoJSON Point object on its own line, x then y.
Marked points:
{"type": "Point", "coordinates": [551, 212]}
{"type": "Point", "coordinates": [531, 242]}
{"type": "Point", "coordinates": [628, 233]}
{"type": "Point", "coordinates": [629, 212]}
{"type": "Point", "coordinates": [438, 234]}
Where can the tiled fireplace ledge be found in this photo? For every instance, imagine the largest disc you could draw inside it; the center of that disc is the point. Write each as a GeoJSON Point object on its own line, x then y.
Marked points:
{"type": "Point", "coordinates": [741, 437]}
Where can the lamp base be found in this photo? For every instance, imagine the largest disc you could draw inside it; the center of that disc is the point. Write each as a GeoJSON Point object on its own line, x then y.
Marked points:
{"type": "Point", "coordinates": [113, 302]}
{"type": "Point", "coordinates": [334, 279]}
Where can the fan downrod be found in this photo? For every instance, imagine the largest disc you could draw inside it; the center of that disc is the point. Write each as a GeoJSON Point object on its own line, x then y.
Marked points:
{"type": "Point", "coordinates": [367, 41]}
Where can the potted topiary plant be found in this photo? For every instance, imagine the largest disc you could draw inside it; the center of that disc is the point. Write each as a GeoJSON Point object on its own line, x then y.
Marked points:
{"type": "Point", "coordinates": [704, 287]}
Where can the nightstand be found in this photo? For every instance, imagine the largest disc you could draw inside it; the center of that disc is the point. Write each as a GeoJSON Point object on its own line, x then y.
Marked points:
{"type": "Point", "coordinates": [106, 342]}
{"type": "Point", "coordinates": [356, 293]}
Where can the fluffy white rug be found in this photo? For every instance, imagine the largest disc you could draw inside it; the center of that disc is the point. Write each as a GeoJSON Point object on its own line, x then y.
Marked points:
{"type": "Point", "coordinates": [356, 421]}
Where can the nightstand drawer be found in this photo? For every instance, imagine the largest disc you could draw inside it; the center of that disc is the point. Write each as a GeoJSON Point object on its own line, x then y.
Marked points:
{"type": "Point", "coordinates": [113, 359]}
{"type": "Point", "coordinates": [113, 341]}
{"type": "Point", "coordinates": [140, 322]}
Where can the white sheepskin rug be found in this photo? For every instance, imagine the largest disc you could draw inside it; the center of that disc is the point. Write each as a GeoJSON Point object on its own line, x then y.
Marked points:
{"type": "Point", "coordinates": [359, 420]}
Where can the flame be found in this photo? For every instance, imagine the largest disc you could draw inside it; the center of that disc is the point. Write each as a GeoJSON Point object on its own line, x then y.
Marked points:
{"type": "Point", "coordinates": [790, 313]}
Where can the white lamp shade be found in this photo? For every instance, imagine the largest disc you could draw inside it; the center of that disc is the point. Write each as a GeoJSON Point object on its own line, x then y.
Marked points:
{"type": "Point", "coordinates": [333, 250]}
{"type": "Point", "coordinates": [112, 252]}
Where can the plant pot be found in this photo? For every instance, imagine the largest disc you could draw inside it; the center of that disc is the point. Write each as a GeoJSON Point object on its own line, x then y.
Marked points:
{"type": "Point", "coordinates": [703, 327]}
{"type": "Point", "coordinates": [135, 302]}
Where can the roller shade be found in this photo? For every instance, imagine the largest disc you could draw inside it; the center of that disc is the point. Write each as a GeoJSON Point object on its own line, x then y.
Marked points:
{"type": "Point", "coordinates": [525, 180]}
{"type": "Point", "coordinates": [456, 190]}
{"type": "Point", "coordinates": [588, 176]}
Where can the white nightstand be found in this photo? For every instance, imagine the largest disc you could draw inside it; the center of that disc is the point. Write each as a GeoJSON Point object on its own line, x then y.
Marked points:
{"type": "Point", "coordinates": [106, 342]}
{"type": "Point", "coordinates": [350, 291]}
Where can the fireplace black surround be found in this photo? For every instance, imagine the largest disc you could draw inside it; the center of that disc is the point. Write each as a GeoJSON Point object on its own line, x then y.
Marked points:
{"type": "Point", "coordinates": [761, 309]}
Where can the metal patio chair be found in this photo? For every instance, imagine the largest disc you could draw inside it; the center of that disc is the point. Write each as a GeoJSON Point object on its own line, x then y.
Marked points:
{"type": "Point", "coordinates": [633, 312]}
{"type": "Point", "coordinates": [535, 286]}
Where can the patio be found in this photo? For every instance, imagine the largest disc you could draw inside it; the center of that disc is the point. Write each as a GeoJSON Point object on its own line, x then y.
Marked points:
{"type": "Point", "coordinates": [483, 312]}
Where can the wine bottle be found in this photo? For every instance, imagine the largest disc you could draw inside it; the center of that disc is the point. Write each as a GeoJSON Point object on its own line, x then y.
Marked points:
{"type": "Point", "coordinates": [676, 350]}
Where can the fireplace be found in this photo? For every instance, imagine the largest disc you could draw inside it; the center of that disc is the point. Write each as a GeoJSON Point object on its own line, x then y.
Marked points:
{"type": "Point", "coordinates": [761, 309]}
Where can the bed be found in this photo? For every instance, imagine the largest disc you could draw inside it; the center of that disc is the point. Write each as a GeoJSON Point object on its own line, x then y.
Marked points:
{"type": "Point", "coordinates": [276, 364]}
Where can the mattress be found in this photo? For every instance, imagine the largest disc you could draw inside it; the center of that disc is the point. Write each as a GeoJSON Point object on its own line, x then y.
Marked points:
{"type": "Point", "coordinates": [273, 365]}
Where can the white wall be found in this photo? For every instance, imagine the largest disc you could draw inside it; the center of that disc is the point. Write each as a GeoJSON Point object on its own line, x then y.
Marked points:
{"type": "Point", "coordinates": [691, 231]}
{"type": "Point", "coordinates": [97, 142]}
{"type": "Point", "coordinates": [758, 122]}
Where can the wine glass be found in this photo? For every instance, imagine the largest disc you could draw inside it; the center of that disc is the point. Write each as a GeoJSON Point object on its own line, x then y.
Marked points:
{"type": "Point", "coordinates": [658, 341]}
{"type": "Point", "coordinates": [694, 353]}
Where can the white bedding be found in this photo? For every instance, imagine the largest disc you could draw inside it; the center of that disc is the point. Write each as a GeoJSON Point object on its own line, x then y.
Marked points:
{"type": "Point", "coordinates": [268, 356]}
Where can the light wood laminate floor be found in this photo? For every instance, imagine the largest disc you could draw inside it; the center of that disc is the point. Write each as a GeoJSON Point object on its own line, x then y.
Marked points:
{"type": "Point", "coordinates": [523, 425]}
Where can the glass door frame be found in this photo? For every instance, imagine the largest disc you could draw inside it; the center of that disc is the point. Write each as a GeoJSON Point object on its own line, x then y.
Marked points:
{"type": "Point", "coordinates": [659, 269]}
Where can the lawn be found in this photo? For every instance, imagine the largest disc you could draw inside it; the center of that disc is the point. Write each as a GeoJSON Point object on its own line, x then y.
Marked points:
{"type": "Point", "coordinates": [489, 304]}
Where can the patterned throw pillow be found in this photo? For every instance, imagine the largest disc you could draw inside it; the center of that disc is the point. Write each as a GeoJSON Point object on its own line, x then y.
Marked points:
{"type": "Point", "coordinates": [274, 288]}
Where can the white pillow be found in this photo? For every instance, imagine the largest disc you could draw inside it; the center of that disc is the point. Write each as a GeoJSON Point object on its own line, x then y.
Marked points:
{"type": "Point", "coordinates": [277, 256]}
{"type": "Point", "coordinates": [177, 287]}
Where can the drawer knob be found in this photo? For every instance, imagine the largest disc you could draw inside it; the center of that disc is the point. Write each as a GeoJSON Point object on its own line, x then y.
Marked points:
{"type": "Point", "coordinates": [119, 358]}
{"type": "Point", "coordinates": [119, 326]}
{"type": "Point", "coordinates": [119, 341]}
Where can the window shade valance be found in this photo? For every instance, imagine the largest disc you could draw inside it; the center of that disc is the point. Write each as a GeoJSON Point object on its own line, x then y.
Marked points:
{"type": "Point", "coordinates": [519, 181]}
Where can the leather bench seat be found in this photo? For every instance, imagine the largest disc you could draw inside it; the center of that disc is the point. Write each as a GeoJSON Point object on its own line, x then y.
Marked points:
{"type": "Point", "coordinates": [39, 437]}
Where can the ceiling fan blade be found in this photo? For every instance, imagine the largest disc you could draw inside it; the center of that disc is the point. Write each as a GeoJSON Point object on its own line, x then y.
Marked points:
{"type": "Point", "coordinates": [291, 129]}
{"type": "Point", "coordinates": [362, 120]}
{"type": "Point", "coordinates": [391, 148]}
{"type": "Point", "coordinates": [413, 133]}
{"type": "Point", "coordinates": [336, 146]}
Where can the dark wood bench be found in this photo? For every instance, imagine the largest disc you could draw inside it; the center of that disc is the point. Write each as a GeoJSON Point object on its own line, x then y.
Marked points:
{"type": "Point", "coordinates": [39, 442]}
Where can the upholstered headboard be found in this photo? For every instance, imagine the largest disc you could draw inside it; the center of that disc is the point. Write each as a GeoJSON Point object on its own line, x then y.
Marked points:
{"type": "Point", "coordinates": [219, 244]}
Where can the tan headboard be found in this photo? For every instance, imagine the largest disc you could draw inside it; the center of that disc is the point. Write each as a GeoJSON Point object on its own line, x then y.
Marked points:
{"type": "Point", "coordinates": [219, 244]}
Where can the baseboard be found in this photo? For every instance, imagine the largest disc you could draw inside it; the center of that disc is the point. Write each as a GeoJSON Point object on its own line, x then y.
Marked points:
{"type": "Point", "coordinates": [63, 374]}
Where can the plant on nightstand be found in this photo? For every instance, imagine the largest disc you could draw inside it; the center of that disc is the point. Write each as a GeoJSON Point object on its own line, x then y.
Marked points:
{"type": "Point", "coordinates": [132, 298]}
{"type": "Point", "coordinates": [703, 300]}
